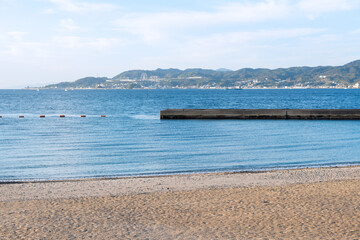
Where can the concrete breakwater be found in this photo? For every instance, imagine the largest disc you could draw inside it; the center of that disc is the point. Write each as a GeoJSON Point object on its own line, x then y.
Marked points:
{"type": "Point", "coordinates": [306, 114]}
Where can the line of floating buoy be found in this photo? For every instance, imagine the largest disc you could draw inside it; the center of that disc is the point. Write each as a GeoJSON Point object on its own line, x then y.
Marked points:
{"type": "Point", "coordinates": [62, 116]}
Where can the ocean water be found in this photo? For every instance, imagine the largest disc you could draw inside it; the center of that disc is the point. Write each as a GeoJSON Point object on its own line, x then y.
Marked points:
{"type": "Point", "coordinates": [132, 140]}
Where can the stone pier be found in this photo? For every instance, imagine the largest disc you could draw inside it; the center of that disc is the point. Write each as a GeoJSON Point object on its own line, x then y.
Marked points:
{"type": "Point", "coordinates": [305, 114]}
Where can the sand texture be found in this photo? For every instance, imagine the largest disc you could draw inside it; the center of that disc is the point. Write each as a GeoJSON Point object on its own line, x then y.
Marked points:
{"type": "Point", "coordinates": [290, 204]}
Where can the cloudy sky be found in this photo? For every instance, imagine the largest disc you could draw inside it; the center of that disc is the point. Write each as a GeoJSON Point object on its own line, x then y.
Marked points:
{"type": "Point", "coordinates": [48, 41]}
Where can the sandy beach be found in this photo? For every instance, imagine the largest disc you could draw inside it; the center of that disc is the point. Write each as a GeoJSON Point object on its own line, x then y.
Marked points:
{"type": "Point", "coordinates": [321, 203]}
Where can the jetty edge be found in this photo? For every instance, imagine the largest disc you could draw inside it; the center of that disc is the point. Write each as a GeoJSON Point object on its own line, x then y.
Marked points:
{"type": "Point", "coordinates": [300, 114]}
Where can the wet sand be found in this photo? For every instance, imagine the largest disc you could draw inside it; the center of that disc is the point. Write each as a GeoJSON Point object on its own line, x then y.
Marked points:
{"type": "Point", "coordinates": [322, 203]}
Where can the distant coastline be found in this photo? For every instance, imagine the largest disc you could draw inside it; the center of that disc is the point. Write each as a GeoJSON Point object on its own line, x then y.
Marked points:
{"type": "Point", "coordinates": [188, 88]}
{"type": "Point", "coordinates": [339, 77]}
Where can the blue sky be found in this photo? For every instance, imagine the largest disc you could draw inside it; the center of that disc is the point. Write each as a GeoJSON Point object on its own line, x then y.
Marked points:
{"type": "Point", "coordinates": [48, 41]}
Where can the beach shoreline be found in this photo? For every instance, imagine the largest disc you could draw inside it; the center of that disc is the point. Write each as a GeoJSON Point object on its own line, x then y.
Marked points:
{"type": "Point", "coordinates": [90, 187]}
{"type": "Point", "coordinates": [101, 178]}
{"type": "Point", "coordinates": [320, 203]}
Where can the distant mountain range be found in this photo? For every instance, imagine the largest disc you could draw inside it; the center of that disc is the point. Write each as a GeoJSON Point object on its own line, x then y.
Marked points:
{"type": "Point", "coordinates": [346, 76]}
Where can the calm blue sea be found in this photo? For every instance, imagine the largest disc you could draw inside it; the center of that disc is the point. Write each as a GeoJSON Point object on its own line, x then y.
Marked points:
{"type": "Point", "coordinates": [132, 140]}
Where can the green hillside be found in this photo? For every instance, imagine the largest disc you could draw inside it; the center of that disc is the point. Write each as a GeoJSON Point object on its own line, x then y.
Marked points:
{"type": "Point", "coordinates": [344, 76]}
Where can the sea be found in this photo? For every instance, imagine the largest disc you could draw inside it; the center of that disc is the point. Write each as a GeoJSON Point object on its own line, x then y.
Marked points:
{"type": "Point", "coordinates": [132, 140]}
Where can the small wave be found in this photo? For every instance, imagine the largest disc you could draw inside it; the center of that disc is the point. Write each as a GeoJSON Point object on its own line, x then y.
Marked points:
{"type": "Point", "coordinates": [145, 117]}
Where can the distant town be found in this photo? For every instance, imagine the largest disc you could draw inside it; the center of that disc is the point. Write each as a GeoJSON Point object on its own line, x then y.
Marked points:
{"type": "Point", "coordinates": [346, 76]}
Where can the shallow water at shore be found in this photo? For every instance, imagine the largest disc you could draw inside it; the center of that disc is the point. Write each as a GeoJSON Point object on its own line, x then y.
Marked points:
{"type": "Point", "coordinates": [131, 140]}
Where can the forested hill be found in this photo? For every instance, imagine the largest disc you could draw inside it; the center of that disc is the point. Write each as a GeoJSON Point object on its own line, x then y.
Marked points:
{"type": "Point", "coordinates": [345, 76]}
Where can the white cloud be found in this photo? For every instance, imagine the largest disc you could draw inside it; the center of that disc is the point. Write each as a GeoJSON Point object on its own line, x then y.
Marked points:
{"type": "Point", "coordinates": [315, 8]}
{"type": "Point", "coordinates": [77, 6]}
{"type": "Point", "coordinates": [322, 6]}
{"type": "Point", "coordinates": [252, 12]}
{"type": "Point", "coordinates": [156, 26]}
{"type": "Point", "coordinates": [16, 35]}
{"type": "Point", "coordinates": [48, 11]}
{"type": "Point", "coordinates": [160, 26]}
{"type": "Point", "coordinates": [20, 49]}
{"type": "Point", "coordinates": [68, 24]}
{"type": "Point", "coordinates": [355, 32]}
{"type": "Point", "coordinates": [16, 47]}
{"type": "Point", "coordinates": [256, 36]}
{"type": "Point", "coordinates": [74, 42]}
{"type": "Point", "coordinates": [231, 44]}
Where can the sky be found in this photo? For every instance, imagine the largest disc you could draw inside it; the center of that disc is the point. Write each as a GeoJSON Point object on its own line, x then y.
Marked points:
{"type": "Point", "coordinates": [51, 41]}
